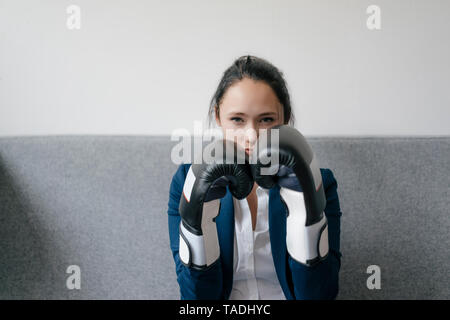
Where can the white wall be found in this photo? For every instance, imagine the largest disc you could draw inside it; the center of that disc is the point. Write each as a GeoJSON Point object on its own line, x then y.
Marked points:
{"type": "Point", "coordinates": [148, 67]}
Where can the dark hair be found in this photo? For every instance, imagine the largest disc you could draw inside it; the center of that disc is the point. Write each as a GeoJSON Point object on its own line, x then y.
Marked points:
{"type": "Point", "coordinates": [257, 69]}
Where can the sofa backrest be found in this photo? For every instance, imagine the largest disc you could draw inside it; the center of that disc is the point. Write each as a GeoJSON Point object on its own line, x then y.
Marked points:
{"type": "Point", "coordinates": [100, 203]}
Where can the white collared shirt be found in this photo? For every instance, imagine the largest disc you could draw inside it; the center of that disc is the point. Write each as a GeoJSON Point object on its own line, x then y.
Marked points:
{"type": "Point", "coordinates": [254, 275]}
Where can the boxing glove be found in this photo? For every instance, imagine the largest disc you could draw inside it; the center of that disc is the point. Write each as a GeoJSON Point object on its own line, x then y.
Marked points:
{"type": "Point", "coordinates": [204, 186]}
{"type": "Point", "coordinates": [295, 169]}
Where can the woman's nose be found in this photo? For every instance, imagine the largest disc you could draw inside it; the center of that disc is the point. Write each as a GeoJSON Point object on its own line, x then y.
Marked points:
{"type": "Point", "coordinates": [252, 135]}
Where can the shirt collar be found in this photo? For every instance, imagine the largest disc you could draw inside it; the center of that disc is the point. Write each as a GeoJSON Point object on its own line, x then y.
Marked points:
{"type": "Point", "coordinates": [261, 190]}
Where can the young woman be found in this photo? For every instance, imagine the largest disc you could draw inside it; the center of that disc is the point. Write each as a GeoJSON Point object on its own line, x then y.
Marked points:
{"type": "Point", "coordinates": [253, 261]}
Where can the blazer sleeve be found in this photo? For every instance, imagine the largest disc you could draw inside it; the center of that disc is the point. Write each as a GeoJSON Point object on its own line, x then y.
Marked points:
{"type": "Point", "coordinates": [194, 284]}
{"type": "Point", "coordinates": [320, 282]}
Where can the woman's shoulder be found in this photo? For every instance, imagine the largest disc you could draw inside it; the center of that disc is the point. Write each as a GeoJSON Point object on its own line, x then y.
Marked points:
{"type": "Point", "coordinates": [181, 173]}
{"type": "Point", "coordinates": [328, 177]}
{"type": "Point", "coordinates": [176, 187]}
{"type": "Point", "coordinates": [184, 167]}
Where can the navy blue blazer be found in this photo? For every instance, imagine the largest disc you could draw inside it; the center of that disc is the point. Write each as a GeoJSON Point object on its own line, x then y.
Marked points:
{"type": "Point", "coordinates": [297, 280]}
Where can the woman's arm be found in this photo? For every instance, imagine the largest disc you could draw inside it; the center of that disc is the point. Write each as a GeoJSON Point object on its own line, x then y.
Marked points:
{"type": "Point", "coordinates": [321, 281]}
{"type": "Point", "coordinates": [194, 284]}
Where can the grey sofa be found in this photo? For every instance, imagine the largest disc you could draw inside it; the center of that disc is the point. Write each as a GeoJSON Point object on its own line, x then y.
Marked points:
{"type": "Point", "coordinates": [100, 202]}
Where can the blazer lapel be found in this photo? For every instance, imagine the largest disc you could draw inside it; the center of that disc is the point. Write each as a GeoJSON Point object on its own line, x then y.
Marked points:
{"type": "Point", "coordinates": [277, 230]}
{"type": "Point", "coordinates": [225, 233]}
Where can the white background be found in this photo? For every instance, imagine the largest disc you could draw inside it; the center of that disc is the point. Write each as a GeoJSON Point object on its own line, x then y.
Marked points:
{"type": "Point", "coordinates": [148, 67]}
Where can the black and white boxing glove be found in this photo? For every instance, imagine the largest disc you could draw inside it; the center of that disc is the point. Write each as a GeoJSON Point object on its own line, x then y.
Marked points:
{"type": "Point", "coordinates": [203, 188]}
{"type": "Point", "coordinates": [298, 174]}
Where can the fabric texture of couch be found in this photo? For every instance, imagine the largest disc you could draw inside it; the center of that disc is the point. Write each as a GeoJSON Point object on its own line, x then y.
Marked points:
{"type": "Point", "coordinates": [100, 202]}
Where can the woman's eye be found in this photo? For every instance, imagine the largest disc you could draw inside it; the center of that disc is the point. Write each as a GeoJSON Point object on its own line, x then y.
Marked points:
{"type": "Point", "coordinates": [267, 120]}
{"type": "Point", "coordinates": [237, 119]}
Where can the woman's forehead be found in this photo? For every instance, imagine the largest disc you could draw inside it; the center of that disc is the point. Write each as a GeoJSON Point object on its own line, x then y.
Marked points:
{"type": "Point", "coordinates": [250, 92]}
{"type": "Point", "coordinates": [250, 101]}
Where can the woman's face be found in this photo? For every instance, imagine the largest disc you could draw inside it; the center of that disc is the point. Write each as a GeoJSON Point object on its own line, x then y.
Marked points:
{"type": "Point", "coordinates": [246, 107]}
